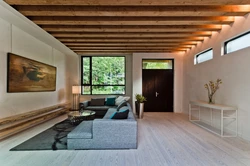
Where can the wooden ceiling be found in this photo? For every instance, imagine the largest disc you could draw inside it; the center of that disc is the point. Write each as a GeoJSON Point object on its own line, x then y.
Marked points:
{"type": "Point", "coordinates": [127, 26]}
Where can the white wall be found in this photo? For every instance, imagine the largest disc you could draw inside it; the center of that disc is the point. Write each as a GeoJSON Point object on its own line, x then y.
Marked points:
{"type": "Point", "coordinates": [178, 72]}
{"type": "Point", "coordinates": [22, 37]}
{"type": "Point", "coordinates": [232, 68]}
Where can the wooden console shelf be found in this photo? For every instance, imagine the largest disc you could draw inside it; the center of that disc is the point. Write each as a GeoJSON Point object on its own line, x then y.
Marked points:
{"type": "Point", "coordinates": [224, 115]}
{"type": "Point", "coordinates": [14, 124]}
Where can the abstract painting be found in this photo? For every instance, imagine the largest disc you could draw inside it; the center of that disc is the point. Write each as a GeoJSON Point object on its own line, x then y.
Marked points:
{"type": "Point", "coordinates": [27, 75]}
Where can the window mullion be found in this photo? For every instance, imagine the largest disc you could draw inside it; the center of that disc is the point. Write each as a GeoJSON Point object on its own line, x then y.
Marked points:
{"type": "Point", "coordinates": [90, 75]}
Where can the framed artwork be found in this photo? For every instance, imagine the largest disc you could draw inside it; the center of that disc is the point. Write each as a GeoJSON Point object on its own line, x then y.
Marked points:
{"type": "Point", "coordinates": [27, 75]}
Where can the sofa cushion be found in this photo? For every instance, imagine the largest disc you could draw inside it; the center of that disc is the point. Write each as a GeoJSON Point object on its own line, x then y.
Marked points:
{"type": "Point", "coordinates": [123, 114]}
{"type": "Point", "coordinates": [119, 99]}
{"type": "Point", "coordinates": [97, 102]}
{"type": "Point", "coordinates": [123, 103]}
{"type": "Point", "coordinates": [110, 112]}
{"type": "Point", "coordinates": [83, 130]}
{"type": "Point", "coordinates": [110, 101]}
{"type": "Point", "coordinates": [97, 108]}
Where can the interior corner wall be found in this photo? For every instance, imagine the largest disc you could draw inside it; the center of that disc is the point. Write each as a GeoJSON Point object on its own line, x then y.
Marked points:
{"type": "Point", "coordinates": [178, 75]}
{"type": "Point", "coordinates": [232, 68]}
{"type": "Point", "coordinates": [17, 41]}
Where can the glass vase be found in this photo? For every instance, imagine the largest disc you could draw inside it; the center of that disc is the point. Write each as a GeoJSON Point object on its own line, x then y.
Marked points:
{"type": "Point", "coordinates": [211, 99]}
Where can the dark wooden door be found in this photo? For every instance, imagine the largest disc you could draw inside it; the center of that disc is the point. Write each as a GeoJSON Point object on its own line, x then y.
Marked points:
{"type": "Point", "coordinates": [157, 87]}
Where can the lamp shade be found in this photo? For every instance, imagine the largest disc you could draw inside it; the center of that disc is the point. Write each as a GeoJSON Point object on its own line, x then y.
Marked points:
{"type": "Point", "coordinates": [76, 89]}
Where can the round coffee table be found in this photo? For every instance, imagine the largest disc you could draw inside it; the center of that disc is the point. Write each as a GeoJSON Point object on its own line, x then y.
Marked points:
{"type": "Point", "coordinates": [77, 117]}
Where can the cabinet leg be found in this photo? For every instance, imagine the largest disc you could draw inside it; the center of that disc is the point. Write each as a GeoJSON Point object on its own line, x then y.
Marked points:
{"type": "Point", "coordinates": [222, 126]}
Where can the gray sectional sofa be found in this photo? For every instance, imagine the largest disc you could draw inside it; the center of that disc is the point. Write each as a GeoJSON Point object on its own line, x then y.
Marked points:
{"type": "Point", "coordinates": [105, 133]}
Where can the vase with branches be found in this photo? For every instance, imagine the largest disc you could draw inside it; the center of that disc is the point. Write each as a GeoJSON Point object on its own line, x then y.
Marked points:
{"type": "Point", "coordinates": [212, 87]}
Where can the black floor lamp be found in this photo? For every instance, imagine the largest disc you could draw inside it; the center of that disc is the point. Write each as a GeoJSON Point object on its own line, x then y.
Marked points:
{"type": "Point", "coordinates": [76, 91]}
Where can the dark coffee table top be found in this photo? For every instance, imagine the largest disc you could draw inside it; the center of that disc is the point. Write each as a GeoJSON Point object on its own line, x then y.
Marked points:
{"type": "Point", "coordinates": [77, 117]}
{"type": "Point", "coordinates": [79, 114]}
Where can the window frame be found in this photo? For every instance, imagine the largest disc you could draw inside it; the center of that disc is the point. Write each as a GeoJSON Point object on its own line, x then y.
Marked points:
{"type": "Point", "coordinates": [90, 79]}
{"type": "Point", "coordinates": [200, 53]}
{"type": "Point", "coordinates": [160, 60]}
{"type": "Point", "coordinates": [232, 39]}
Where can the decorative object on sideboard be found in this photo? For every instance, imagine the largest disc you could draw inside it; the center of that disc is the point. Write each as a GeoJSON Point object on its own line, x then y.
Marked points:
{"type": "Point", "coordinates": [212, 87]}
{"type": "Point", "coordinates": [76, 91]}
{"type": "Point", "coordinates": [27, 75]}
{"type": "Point", "coordinates": [139, 104]}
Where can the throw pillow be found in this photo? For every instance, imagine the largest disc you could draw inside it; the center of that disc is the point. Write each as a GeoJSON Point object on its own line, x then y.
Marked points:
{"type": "Point", "coordinates": [123, 103]}
{"type": "Point", "coordinates": [126, 98]}
{"type": "Point", "coordinates": [110, 101]}
{"type": "Point", "coordinates": [118, 100]}
{"type": "Point", "coordinates": [97, 102]}
{"type": "Point", "coordinates": [120, 115]}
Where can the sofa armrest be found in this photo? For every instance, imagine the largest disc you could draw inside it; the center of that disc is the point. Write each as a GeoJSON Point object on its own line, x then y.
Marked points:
{"type": "Point", "coordinates": [84, 105]}
{"type": "Point", "coordinates": [113, 130]}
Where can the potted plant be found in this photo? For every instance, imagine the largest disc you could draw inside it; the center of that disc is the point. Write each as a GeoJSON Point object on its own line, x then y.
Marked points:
{"type": "Point", "coordinates": [139, 104]}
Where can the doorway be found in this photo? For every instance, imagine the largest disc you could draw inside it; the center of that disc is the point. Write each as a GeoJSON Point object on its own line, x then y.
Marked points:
{"type": "Point", "coordinates": [158, 84]}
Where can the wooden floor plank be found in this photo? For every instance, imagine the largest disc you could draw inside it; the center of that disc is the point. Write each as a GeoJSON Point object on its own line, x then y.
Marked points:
{"type": "Point", "coordinates": [163, 139]}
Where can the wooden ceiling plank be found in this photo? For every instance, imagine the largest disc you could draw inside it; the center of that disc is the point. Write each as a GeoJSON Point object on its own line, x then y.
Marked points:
{"type": "Point", "coordinates": [233, 10]}
{"type": "Point", "coordinates": [126, 2]}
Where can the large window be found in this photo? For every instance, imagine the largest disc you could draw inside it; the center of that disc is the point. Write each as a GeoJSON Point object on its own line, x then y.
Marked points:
{"type": "Point", "coordinates": [103, 75]}
{"type": "Point", "coordinates": [203, 56]}
{"type": "Point", "coordinates": [237, 43]}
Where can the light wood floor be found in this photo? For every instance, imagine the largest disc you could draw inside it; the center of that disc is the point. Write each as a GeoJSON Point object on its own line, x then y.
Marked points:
{"type": "Point", "coordinates": [164, 139]}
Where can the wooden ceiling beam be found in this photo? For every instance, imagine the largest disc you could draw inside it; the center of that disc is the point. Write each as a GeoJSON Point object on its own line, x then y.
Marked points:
{"type": "Point", "coordinates": [131, 40]}
{"type": "Point", "coordinates": [58, 20]}
{"type": "Point", "coordinates": [131, 35]}
{"type": "Point", "coordinates": [131, 18]}
{"type": "Point", "coordinates": [128, 48]}
{"type": "Point", "coordinates": [126, 2]}
{"type": "Point", "coordinates": [229, 10]}
{"type": "Point", "coordinates": [130, 28]}
{"type": "Point", "coordinates": [122, 51]}
{"type": "Point", "coordinates": [128, 44]}
{"type": "Point", "coordinates": [91, 53]}
{"type": "Point", "coordinates": [125, 26]}
{"type": "Point", "coordinates": [185, 22]}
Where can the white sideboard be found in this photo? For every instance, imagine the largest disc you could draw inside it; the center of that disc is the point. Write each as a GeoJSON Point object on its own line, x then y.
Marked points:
{"type": "Point", "coordinates": [226, 112]}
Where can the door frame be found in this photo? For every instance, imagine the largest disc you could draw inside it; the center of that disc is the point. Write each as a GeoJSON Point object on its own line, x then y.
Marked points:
{"type": "Point", "coordinates": [178, 76]}
{"type": "Point", "coordinates": [173, 68]}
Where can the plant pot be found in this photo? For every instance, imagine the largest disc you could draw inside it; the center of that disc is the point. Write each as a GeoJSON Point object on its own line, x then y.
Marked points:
{"type": "Point", "coordinates": [139, 108]}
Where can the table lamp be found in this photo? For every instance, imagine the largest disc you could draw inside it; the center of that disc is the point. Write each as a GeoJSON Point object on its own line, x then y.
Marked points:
{"type": "Point", "coordinates": [76, 91]}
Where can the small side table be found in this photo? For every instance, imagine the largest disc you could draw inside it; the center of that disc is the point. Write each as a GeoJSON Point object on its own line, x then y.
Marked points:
{"type": "Point", "coordinates": [77, 117]}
